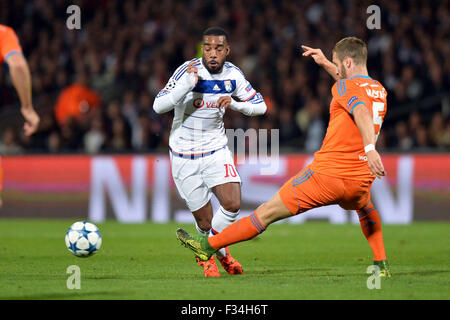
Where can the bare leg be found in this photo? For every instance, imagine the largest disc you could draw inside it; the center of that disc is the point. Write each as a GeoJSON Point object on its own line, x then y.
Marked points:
{"type": "Point", "coordinates": [229, 195]}
{"type": "Point", "coordinates": [272, 211]}
{"type": "Point", "coordinates": [203, 217]}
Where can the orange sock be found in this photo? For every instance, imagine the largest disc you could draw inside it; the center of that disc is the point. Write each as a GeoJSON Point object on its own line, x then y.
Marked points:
{"type": "Point", "coordinates": [371, 227]}
{"type": "Point", "coordinates": [241, 230]}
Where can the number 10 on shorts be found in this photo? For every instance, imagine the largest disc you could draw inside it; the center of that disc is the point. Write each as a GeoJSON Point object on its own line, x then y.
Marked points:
{"type": "Point", "coordinates": [229, 171]}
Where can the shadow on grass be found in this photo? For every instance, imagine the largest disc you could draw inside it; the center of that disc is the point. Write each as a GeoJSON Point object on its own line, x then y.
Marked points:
{"type": "Point", "coordinates": [305, 272]}
{"type": "Point", "coordinates": [64, 295]}
{"type": "Point", "coordinates": [311, 273]}
{"type": "Point", "coordinates": [421, 273]}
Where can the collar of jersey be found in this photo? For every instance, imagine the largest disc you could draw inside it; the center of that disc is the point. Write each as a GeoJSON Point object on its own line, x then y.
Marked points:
{"type": "Point", "coordinates": [360, 76]}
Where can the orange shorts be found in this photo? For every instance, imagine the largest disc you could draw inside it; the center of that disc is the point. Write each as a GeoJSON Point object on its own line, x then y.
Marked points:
{"type": "Point", "coordinates": [308, 190]}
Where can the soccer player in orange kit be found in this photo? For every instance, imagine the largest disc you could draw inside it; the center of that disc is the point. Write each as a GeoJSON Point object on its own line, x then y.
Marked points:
{"type": "Point", "coordinates": [11, 54]}
{"type": "Point", "coordinates": [343, 169]}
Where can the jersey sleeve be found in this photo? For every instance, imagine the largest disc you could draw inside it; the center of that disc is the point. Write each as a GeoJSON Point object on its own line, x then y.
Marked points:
{"type": "Point", "coordinates": [176, 76]}
{"type": "Point", "coordinates": [244, 90]}
{"type": "Point", "coordinates": [349, 95]}
{"type": "Point", "coordinates": [9, 43]}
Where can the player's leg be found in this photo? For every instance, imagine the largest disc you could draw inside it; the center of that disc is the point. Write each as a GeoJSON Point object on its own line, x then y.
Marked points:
{"type": "Point", "coordinates": [357, 197]}
{"type": "Point", "coordinates": [221, 176]}
{"type": "Point", "coordinates": [203, 218]}
{"type": "Point", "coordinates": [244, 229]}
{"type": "Point", "coordinates": [371, 227]}
{"type": "Point", "coordinates": [249, 227]}
{"type": "Point", "coordinates": [190, 186]}
{"type": "Point", "coordinates": [229, 196]}
{"type": "Point", "coordinates": [301, 193]}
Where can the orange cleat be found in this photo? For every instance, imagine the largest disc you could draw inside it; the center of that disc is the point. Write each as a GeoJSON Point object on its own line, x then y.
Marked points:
{"type": "Point", "coordinates": [230, 264]}
{"type": "Point", "coordinates": [210, 268]}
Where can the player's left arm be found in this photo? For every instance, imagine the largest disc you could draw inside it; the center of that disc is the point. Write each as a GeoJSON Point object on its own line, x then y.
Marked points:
{"type": "Point", "coordinates": [364, 122]}
{"type": "Point", "coordinates": [20, 75]}
{"type": "Point", "coordinates": [248, 101]}
{"type": "Point", "coordinates": [356, 103]}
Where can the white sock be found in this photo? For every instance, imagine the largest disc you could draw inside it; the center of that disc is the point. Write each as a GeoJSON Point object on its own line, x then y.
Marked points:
{"type": "Point", "coordinates": [202, 232]}
{"type": "Point", "coordinates": [222, 219]}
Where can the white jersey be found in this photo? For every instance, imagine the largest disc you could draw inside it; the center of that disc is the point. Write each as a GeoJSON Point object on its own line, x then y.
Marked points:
{"type": "Point", "coordinates": [198, 123]}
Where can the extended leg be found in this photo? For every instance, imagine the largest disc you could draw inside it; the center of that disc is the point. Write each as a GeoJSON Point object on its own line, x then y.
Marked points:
{"type": "Point", "coordinates": [249, 227]}
{"type": "Point", "coordinates": [241, 230]}
{"type": "Point", "coordinates": [229, 196]}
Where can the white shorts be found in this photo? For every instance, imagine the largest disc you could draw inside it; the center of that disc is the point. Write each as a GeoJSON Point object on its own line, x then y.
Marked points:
{"type": "Point", "coordinates": [196, 177]}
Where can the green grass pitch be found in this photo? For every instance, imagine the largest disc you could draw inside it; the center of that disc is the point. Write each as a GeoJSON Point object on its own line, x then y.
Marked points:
{"type": "Point", "coordinates": [315, 260]}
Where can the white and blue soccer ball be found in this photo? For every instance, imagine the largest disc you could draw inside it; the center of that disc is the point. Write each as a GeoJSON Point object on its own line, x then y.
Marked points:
{"type": "Point", "coordinates": [83, 239]}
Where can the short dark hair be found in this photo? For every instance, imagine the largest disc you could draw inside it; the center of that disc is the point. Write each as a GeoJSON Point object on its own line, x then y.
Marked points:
{"type": "Point", "coordinates": [216, 31]}
{"type": "Point", "coordinates": [351, 47]}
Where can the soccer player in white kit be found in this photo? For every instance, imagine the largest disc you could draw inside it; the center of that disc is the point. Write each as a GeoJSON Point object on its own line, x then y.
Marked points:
{"type": "Point", "coordinates": [200, 91]}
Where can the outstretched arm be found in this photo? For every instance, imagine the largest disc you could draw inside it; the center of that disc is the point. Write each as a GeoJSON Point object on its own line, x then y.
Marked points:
{"type": "Point", "coordinates": [322, 61]}
{"type": "Point", "coordinates": [364, 122]}
{"type": "Point", "coordinates": [21, 78]}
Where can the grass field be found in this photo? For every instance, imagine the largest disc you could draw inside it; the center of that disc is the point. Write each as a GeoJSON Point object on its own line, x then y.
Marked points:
{"type": "Point", "coordinates": [315, 260]}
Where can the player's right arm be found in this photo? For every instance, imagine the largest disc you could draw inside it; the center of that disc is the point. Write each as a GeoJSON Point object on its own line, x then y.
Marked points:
{"type": "Point", "coordinates": [11, 53]}
{"type": "Point", "coordinates": [322, 61]}
{"type": "Point", "coordinates": [181, 83]}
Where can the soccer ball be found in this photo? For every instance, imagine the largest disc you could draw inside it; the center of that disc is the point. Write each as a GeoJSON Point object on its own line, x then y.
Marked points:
{"type": "Point", "coordinates": [83, 239]}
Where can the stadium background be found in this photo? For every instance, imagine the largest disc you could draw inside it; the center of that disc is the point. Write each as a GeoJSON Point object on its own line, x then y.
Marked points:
{"type": "Point", "coordinates": [126, 50]}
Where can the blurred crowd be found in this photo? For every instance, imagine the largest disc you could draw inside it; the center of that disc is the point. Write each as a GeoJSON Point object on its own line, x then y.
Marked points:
{"type": "Point", "coordinates": [125, 52]}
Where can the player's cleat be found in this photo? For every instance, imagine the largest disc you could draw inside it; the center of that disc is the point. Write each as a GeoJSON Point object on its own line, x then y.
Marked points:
{"type": "Point", "coordinates": [210, 268]}
{"type": "Point", "coordinates": [230, 264]}
{"type": "Point", "coordinates": [384, 268]}
{"type": "Point", "coordinates": [197, 243]}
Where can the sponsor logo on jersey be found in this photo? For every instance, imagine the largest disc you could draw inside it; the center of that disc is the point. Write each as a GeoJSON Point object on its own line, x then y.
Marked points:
{"type": "Point", "coordinates": [363, 158]}
{"type": "Point", "coordinates": [200, 103]}
{"type": "Point", "coordinates": [216, 88]}
{"type": "Point", "coordinates": [248, 88]}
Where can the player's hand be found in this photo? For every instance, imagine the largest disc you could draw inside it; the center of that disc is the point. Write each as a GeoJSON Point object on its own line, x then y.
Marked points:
{"type": "Point", "coordinates": [193, 69]}
{"type": "Point", "coordinates": [375, 164]}
{"type": "Point", "coordinates": [316, 54]}
{"type": "Point", "coordinates": [224, 102]}
{"type": "Point", "coordinates": [322, 61]}
{"type": "Point", "coordinates": [31, 120]}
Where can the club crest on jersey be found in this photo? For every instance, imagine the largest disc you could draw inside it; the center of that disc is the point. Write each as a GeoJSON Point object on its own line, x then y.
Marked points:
{"type": "Point", "coordinates": [228, 85]}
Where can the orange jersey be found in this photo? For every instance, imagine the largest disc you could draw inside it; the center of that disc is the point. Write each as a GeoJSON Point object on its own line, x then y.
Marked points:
{"type": "Point", "coordinates": [342, 153]}
{"type": "Point", "coordinates": [9, 43]}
